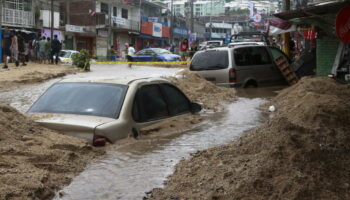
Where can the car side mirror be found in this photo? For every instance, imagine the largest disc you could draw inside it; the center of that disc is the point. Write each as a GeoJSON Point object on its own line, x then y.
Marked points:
{"type": "Point", "coordinates": [195, 107]}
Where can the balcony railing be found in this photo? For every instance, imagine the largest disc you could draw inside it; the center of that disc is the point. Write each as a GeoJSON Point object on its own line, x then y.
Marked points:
{"type": "Point", "coordinates": [126, 24]}
{"type": "Point", "coordinates": [13, 17]}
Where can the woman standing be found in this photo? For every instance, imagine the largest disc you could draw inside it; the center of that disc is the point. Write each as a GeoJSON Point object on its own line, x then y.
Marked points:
{"type": "Point", "coordinates": [183, 49]}
{"type": "Point", "coordinates": [14, 49]}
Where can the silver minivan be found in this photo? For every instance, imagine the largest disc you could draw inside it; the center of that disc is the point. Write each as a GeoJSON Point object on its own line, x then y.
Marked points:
{"type": "Point", "coordinates": [239, 66]}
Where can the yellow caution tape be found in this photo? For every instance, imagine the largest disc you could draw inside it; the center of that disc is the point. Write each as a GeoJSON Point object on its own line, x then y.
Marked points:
{"type": "Point", "coordinates": [122, 62]}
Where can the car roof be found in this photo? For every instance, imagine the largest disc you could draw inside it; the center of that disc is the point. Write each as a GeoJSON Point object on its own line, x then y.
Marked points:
{"type": "Point", "coordinates": [119, 81]}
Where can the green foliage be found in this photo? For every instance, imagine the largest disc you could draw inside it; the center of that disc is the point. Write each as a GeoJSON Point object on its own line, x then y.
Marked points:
{"type": "Point", "coordinates": [82, 59]}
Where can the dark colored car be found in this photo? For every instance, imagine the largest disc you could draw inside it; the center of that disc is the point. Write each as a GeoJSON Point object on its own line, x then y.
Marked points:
{"type": "Point", "coordinates": [154, 55]}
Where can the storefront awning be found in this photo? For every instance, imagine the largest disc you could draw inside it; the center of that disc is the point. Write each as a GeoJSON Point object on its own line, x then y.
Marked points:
{"type": "Point", "coordinates": [152, 37]}
{"type": "Point", "coordinates": [312, 11]}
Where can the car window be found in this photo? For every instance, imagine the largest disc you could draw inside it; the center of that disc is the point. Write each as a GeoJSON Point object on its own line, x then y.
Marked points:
{"type": "Point", "coordinates": [210, 60]}
{"type": "Point", "coordinates": [251, 56]}
{"type": "Point", "coordinates": [96, 99]}
{"type": "Point", "coordinates": [276, 53]}
{"type": "Point", "coordinates": [178, 103]}
{"type": "Point", "coordinates": [149, 104]}
{"type": "Point", "coordinates": [148, 52]}
{"type": "Point", "coordinates": [140, 52]}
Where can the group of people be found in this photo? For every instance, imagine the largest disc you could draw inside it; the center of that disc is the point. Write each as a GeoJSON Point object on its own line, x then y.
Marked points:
{"type": "Point", "coordinates": [17, 49]}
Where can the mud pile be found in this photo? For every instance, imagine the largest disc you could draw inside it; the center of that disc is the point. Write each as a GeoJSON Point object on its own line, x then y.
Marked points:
{"type": "Point", "coordinates": [301, 153]}
{"type": "Point", "coordinates": [32, 73]}
{"type": "Point", "coordinates": [202, 91]}
{"type": "Point", "coordinates": [34, 161]}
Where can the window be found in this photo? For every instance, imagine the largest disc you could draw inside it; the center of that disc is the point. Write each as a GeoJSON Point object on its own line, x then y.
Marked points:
{"type": "Point", "coordinates": [204, 60]}
{"type": "Point", "coordinates": [124, 13]}
{"type": "Point", "coordinates": [276, 53]}
{"type": "Point", "coordinates": [96, 99]}
{"type": "Point", "coordinates": [115, 13]}
{"type": "Point", "coordinates": [177, 101]}
{"type": "Point", "coordinates": [251, 56]}
{"type": "Point", "coordinates": [104, 8]}
{"type": "Point", "coordinates": [149, 104]}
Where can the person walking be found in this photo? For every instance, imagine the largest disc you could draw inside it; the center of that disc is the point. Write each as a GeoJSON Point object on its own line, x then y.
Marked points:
{"type": "Point", "coordinates": [6, 43]}
{"type": "Point", "coordinates": [55, 49]}
{"type": "Point", "coordinates": [14, 48]}
{"type": "Point", "coordinates": [131, 52]}
{"type": "Point", "coordinates": [183, 49]}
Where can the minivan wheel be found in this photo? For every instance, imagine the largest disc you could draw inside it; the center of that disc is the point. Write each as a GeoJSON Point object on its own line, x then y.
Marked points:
{"type": "Point", "coordinates": [251, 84]}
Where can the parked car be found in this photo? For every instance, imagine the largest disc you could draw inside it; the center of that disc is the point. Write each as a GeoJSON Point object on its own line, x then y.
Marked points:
{"type": "Point", "coordinates": [155, 54]}
{"type": "Point", "coordinates": [211, 44]}
{"type": "Point", "coordinates": [239, 66]}
{"type": "Point", "coordinates": [107, 110]}
{"type": "Point", "coordinates": [65, 56]}
{"type": "Point", "coordinates": [257, 37]}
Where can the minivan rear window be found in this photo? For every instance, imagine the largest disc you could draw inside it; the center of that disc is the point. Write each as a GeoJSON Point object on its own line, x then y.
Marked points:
{"type": "Point", "coordinates": [209, 60]}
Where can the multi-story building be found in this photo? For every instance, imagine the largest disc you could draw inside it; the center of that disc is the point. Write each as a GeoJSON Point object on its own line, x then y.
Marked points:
{"type": "Point", "coordinates": [219, 31]}
{"type": "Point", "coordinates": [201, 7]}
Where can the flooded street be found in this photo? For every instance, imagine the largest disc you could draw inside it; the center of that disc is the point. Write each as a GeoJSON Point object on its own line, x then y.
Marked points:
{"type": "Point", "coordinates": [129, 171]}
{"type": "Point", "coordinates": [132, 168]}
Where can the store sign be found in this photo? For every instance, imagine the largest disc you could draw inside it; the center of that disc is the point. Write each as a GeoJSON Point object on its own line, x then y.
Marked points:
{"type": "Point", "coordinates": [153, 19]}
{"type": "Point", "coordinates": [310, 34]}
{"type": "Point", "coordinates": [342, 25]}
{"type": "Point", "coordinates": [102, 33]}
{"type": "Point", "coordinates": [157, 30]}
{"type": "Point", "coordinates": [180, 31]}
{"type": "Point", "coordinates": [119, 20]}
{"type": "Point", "coordinates": [75, 29]}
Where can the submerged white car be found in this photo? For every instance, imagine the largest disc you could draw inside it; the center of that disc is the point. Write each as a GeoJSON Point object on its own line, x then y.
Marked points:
{"type": "Point", "coordinates": [103, 111]}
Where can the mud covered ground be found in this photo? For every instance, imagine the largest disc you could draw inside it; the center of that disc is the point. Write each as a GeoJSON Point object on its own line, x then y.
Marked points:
{"type": "Point", "coordinates": [35, 162]}
{"type": "Point", "coordinates": [302, 152]}
{"type": "Point", "coordinates": [32, 73]}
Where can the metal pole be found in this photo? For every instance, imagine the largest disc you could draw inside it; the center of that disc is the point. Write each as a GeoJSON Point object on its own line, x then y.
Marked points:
{"type": "Point", "coordinates": [109, 38]}
{"type": "Point", "coordinates": [52, 19]}
{"type": "Point", "coordinates": [211, 12]}
{"type": "Point", "coordinates": [191, 16]}
{"type": "Point", "coordinates": [172, 22]}
{"type": "Point", "coordinates": [286, 36]}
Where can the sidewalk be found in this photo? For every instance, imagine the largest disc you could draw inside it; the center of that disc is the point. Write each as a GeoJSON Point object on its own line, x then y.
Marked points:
{"type": "Point", "coordinates": [32, 73]}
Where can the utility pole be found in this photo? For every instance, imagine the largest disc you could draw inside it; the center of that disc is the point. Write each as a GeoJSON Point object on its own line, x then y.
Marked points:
{"type": "Point", "coordinates": [172, 22]}
{"type": "Point", "coordinates": [210, 23]}
{"type": "Point", "coordinates": [110, 23]}
{"type": "Point", "coordinates": [52, 19]}
{"type": "Point", "coordinates": [191, 17]}
{"type": "Point", "coordinates": [286, 36]}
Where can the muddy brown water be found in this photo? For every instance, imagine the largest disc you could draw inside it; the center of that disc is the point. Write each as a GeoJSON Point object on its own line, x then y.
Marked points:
{"type": "Point", "coordinates": [130, 169]}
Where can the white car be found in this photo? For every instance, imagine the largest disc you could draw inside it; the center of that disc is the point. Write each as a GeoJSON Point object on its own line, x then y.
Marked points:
{"type": "Point", "coordinates": [65, 56]}
{"type": "Point", "coordinates": [108, 110]}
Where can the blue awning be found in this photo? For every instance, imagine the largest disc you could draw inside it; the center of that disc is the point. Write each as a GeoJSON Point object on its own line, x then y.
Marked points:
{"type": "Point", "coordinates": [152, 37]}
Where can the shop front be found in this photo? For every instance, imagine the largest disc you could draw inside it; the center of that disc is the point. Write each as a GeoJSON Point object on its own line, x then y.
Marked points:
{"type": "Point", "coordinates": [153, 35]}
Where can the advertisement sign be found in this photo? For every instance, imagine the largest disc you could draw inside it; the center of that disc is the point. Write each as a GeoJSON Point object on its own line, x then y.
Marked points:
{"type": "Point", "coordinates": [47, 33]}
{"type": "Point", "coordinates": [119, 20]}
{"type": "Point", "coordinates": [75, 29]}
{"type": "Point", "coordinates": [192, 37]}
{"type": "Point", "coordinates": [157, 30]}
{"type": "Point", "coordinates": [180, 31]}
{"type": "Point", "coordinates": [342, 24]}
{"type": "Point", "coordinates": [310, 34]}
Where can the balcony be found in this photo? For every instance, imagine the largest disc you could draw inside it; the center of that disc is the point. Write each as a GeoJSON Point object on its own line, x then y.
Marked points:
{"type": "Point", "coordinates": [126, 24]}
{"type": "Point", "coordinates": [21, 18]}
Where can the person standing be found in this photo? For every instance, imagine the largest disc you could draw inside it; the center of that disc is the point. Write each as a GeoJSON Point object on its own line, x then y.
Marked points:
{"type": "Point", "coordinates": [111, 54]}
{"type": "Point", "coordinates": [48, 50]}
{"type": "Point", "coordinates": [131, 52]}
{"type": "Point", "coordinates": [55, 49]}
{"type": "Point", "coordinates": [42, 45]}
{"type": "Point", "coordinates": [14, 48]}
{"type": "Point", "coordinates": [21, 48]}
{"type": "Point", "coordinates": [6, 43]}
{"type": "Point", "coordinates": [183, 49]}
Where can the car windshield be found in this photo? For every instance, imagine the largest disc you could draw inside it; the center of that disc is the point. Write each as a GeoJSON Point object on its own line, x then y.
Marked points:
{"type": "Point", "coordinates": [204, 60]}
{"type": "Point", "coordinates": [161, 51]}
{"type": "Point", "coordinates": [98, 99]}
{"type": "Point", "coordinates": [64, 54]}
